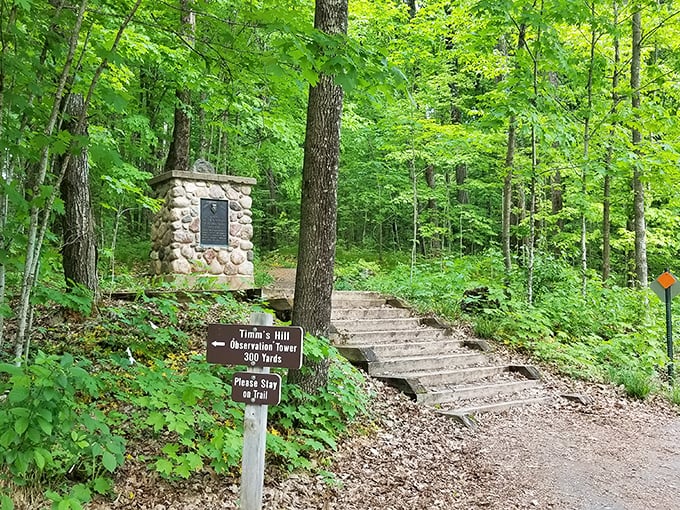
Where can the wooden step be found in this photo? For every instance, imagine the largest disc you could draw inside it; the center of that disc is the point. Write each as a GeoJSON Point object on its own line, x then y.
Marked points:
{"type": "Point", "coordinates": [383, 312]}
{"type": "Point", "coordinates": [466, 415]}
{"type": "Point", "coordinates": [376, 352]}
{"type": "Point", "coordinates": [402, 324]}
{"type": "Point", "coordinates": [389, 336]}
{"type": "Point", "coordinates": [413, 367]}
{"type": "Point", "coordinates": [472, 392]}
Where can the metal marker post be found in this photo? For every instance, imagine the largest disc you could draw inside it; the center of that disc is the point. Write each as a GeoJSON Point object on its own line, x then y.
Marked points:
{"type": "Point", "coordinates": [254, 438]}
{"type": "Point", "coordinates": [669, 334]}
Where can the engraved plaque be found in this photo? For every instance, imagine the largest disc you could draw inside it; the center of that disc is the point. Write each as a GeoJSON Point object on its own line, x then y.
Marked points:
{"type": "Point", "coordinates": [214, 227]}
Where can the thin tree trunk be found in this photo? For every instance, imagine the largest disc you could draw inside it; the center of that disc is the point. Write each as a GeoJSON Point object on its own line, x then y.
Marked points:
{"type": "Point", "coordinates": [638, 188]}
{"type": "Point", "coordinates": [606, 192]}
{"type": "Point", "coordinates": [586, 156]}
{"type": "Point", "coordinates": [414, 219]}
{"type": "Point", "coordinates": [534, 172]}
{"type": "Point", "coordinates": [5, 172]}
{"type": "Point", "coordinates": [507, 193]}
{"type": "Point", "coordinates": [509, 164]}
{"type": "Point", "coordinates": [430, 180]}
{"type": "Point", "coordinates": [79, 253]}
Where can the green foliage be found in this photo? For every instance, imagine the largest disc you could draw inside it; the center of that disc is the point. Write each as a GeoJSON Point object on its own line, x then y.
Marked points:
{"type": "Point", "coordinates": [637, 383]}
{"type": "Point", "coordinates": [674, 394]}
{"type": "Point", "coordinates": [51, 427]}
{"type": "Point", "coordinates": [304, 425]}
{"type": "Point", "coordinates": [185, 402]}
{"type": "Point", "coordinates": [351, 275]}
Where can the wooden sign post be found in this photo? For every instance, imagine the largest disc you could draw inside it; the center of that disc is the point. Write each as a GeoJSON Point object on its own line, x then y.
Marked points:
{"type": "Point", "coordinates": [254, 439]}
{"type": "Point", "coordinates": [259, 346]}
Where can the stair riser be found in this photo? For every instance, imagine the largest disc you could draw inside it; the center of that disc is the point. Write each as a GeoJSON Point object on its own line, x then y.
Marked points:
{"type": "Point", "coordinates": [500, 406]}
{"type": "Point", "coordinates": [341, 303]}
{"type": "Point", "coordinates": [369, 313]}
{"type": "Point", "coordinates": [407, 366]}
{"type": "Point", "coordinates": [419, 349]}
{"type": "Point", "coordinates": [377, 325]}
{"type": "Point", "coordinates": [389, 337]}
{"type": "Point", "coordinates": [461, 377]}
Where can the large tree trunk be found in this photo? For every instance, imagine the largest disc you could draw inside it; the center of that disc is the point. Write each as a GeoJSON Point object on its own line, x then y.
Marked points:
{"type": "Point", "coordinates": [318, 208]}
{"type": "Point", "coordinates": [638, 188]}
{"type": "Point", "coordinates": [79, 253]}
{"type": "Point", "coordinates": [178, 154]}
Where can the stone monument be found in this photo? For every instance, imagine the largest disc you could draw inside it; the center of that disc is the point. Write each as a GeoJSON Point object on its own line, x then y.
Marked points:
{"type": "Point", "coordinates": [204, 228]}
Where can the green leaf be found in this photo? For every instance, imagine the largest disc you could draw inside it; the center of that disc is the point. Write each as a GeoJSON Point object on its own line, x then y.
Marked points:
{"type": "Point", "coordinates": [20, 425]}
{"type": "Point", "coordinates": [45, 426]}
{"type": "Point", "coordinates": [18, 394]}
{"type": "Point", "coordinates": [109, 462]}
{"type": "Point", "coordinates": [164, 467]}
{"type": "Point", "coordinates": [39, 459]}
{"type": "Point", "coordinates": [156, 420]}
{"type": "Point", "coordinates": [102, 485]}
{"type": "Point", "coordinates": [6, 502]}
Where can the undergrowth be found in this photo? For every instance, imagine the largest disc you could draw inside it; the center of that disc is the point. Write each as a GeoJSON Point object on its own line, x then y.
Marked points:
{"type": "Point", "coordinates": [611, 334]}
{"type": "Point", "coordinates": [132, 385]}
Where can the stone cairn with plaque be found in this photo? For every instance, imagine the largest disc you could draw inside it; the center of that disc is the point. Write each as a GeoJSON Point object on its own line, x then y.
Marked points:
{"type": "Point", "coordinates": [204, 227]}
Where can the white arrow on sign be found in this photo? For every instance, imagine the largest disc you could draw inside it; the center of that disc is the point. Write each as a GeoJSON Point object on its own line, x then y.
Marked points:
{"type": "Point", "coordinates": [219, 344]}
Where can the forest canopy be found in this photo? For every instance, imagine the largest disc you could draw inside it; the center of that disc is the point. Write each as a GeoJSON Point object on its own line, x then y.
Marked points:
{"type": "Point", "coordinates": [528, 129]}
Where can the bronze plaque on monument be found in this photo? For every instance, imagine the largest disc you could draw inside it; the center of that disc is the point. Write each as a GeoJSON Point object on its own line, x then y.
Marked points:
{"type": "Point", "coordinates": [214, 226]}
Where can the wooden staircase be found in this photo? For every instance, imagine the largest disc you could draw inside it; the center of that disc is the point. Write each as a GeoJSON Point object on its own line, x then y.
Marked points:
{"type": "Point", "coordinates": [436, 364]}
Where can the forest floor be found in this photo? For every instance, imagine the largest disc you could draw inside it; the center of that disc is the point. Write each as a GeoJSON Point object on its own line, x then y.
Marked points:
{"type": "Point", "coordinates": [613, 453]}
{"type": "Point", "coordinates": [610, 453]}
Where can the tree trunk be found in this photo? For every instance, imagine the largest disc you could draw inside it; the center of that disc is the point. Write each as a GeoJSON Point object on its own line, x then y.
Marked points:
{"type": "Point", "coordinates": [509, 163]}
{"type": "Point", "coordinates": [507, 193]}
{"type": "Point", "coordinates": [430, 180]}
{"type": "Point", "coordinates": [638, 188]}
{"type": "Point", "coordinates": [606, 192]}
{"type": "Point", "coordinates": [586, 155]}
{"type": "Point", "coordinates": [461, 175]}
{"type": "Point", "coordinates": [178, 154]}
{"type": "Point", "coordinates": [269, 229]}
{"type": "Point", "coordinates": [79, 253]}
{"type": "Point", "coordinates": [318, 207]}
{"type": "Point", "coordinates": [557, 197]}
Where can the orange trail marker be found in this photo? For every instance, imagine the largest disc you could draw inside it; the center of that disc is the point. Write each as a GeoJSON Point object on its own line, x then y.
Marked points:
{"type": "Point", "coordinates": [666, 279]}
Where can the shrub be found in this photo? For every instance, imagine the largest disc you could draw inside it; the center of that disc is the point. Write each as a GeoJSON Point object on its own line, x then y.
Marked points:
{"type": "Point", "coordinates": [50, 427]}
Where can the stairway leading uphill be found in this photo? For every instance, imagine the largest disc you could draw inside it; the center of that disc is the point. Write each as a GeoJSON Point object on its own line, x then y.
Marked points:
{"type": "Point", "coordinates": [436, 364]}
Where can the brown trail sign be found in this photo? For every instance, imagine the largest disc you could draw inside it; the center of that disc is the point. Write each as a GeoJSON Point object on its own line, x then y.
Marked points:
{"type": "Point", "coordinates": [255, 345]}
{"type": "Point", "coordinates": [259, 346]}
